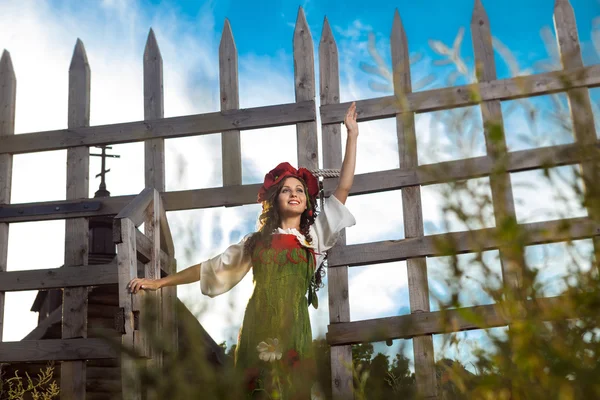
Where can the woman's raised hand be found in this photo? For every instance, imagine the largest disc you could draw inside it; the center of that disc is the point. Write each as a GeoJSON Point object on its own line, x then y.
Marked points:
{"type": "Point", "coordinates": [138, 284]}
{"type": "Point", "coordinates": [350, 120]}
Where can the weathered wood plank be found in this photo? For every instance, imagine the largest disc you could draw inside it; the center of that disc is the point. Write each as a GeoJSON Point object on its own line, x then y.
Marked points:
{"type": "Point", "coordinates": [304, 78]}
{"type": "Point", "coordinates": [166, 238]}
{"type": "Point", "coordinates": [231, 150]}
{"type": "Point", "coordinates": [138, 208]}
{"type": "Point", "coordinates": [154, 150]}
{"type": "Point", "coordinates": [192, 125]}
{"type": "Point", "coordinates": [152, 271]}
{"type": "Point", "coordinates": [56, 278]}
{"type": "Point", "coordinates": [155, 161]}
{"type": "Point", "coordinates": [56, 350]}
{"type": "Point", "coordinates": [463, 242]}
{"type": "Point", "coordinates": [394, 179]}
{"type": "Point", "coordinates": [55, 317]}
{"type": "Point", "coordinates": [337, 282]}
{"type": "Point", "coordinates": [127, 270]}
{"type": "Point", "coordinates": [412, 210]}
{"type": "Point", "coordinates": [74, 304]}
{"type": "Point", "coordinates": [580, 107]}
{"type": "Point", "coordinates": [8, 93]}
{"type": "Point", "coordinates": [512, 259]}
{"type": "Point", "coordinates": [109, 373]}
{"type": "Point", "coordinates": [467, 95]}
{"type": "Point", "coordinates": [431, 323]}
{"type": "Point", "coordinates": [169, 266]}
{"type": "Point", "coordinates": [144, 252]}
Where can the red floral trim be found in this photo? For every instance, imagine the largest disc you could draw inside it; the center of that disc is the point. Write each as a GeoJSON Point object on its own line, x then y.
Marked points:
{"type": "Point", "coordinates": [290, 259]}
{"type": "Point", "coordinates": [284, 241]}
{"type": "Point", "coordinates": [292, 358]}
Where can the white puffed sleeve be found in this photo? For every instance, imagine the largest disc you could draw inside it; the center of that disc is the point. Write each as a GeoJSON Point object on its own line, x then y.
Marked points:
{"type": "Point", "coordinates": [334, 217]}
{"type": "Point", "coordinates": [219, 274]}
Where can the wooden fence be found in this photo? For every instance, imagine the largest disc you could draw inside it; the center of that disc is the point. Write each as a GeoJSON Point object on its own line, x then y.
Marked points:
{"type": "Point", "coordinates": [421, 324]}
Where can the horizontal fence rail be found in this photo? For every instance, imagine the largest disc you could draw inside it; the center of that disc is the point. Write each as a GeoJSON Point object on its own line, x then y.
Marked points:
{"type": "Point", "coordinates": [166, 128]}
{"type": "Point", "coordinates": [229, 196]}
{"type": "Point", "coordinates": [431, 323]}
{"type": "Point", "coordinates": [462, 242]}
{"type": "Point", "coordinates": [57, 350]}
{"type": "Point", "coordinates": [466, 95]}
{"type": "Point", "coordinates": [56, 278]}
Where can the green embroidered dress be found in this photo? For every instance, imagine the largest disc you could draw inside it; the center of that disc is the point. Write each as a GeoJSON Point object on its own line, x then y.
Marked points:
{"type": "Point", "coordinates": [276, 328]}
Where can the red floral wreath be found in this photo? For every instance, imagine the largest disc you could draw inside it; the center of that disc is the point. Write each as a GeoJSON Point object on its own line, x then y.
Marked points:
{"type": "Point", "coordinates": [283, 170]}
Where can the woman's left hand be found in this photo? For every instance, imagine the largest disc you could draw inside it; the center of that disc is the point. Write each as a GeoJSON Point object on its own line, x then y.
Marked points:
{"type": "Point", "coordinates": [350, 120]}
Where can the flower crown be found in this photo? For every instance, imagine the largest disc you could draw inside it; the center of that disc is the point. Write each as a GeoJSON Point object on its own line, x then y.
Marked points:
{"type": "Point", "coordinates": [284, 170]}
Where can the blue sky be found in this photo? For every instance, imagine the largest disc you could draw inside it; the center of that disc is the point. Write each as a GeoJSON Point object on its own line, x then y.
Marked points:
{"type": "Point", "coordinates": [41, 34]}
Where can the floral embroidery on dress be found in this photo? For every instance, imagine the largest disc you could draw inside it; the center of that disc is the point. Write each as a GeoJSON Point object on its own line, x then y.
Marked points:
{"type": "Point", "coordinates": [270, 350]}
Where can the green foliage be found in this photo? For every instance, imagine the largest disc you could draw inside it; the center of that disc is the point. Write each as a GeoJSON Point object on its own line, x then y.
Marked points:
{"type": "Point", "coordinates": [17, 387]}
{"type": "Point", "coordinates": [551, 349]}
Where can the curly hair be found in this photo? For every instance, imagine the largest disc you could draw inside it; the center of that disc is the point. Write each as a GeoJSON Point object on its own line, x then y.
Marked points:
{"type": "Point", "coordinates": [270, 219]}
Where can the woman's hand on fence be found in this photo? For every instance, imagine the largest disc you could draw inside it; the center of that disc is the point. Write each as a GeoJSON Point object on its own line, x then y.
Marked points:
{"type": "Point", "coordinates": [138, 284]}
{"type": "Point", "coordinates": [350, 120]}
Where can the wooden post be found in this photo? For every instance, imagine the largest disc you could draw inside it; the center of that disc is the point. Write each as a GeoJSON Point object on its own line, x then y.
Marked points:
{"type": "Point", "coordinates": [230, 100]}
{"type": "Point", "coordinates": [304, 76]}
{"type": "Point", "coordinates": [418, 288]}
{"type": "Point", "coordinates": [337, 282]}
{"type": "Point", "coordinates": [154, 109]}
{"type": "Point", "coordinates": [581, 109]}
{"type": "Point", "coordinates": [127, 270]}
{"type": "Point", "coordinates": [154, 160]}
{"type": "Point", "coordinates": [512, 262]}
{"type": "Point", "coordinates": [8, 93]}
{"type": "Point", "coordinates": [74, 307]}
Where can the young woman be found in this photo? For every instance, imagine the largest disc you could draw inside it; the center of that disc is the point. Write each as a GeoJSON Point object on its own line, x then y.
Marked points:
{"type": "Point", "coordinates": [286, 254]}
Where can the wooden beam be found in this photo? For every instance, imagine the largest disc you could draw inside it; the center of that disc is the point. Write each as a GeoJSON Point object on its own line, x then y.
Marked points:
{"type": "Point", "coordinates": [39, 331]}
{"type": "Point", "coordinates": [412, 211]}
{"type": "Point", "coordinates": [56, 350]}
{"type": "Point", "coordinates": [512, 258]}
{"type": "Point", "coordinates": [432, 323]}
{"type": "Point", "coordinates": [74, 304]}
{"type": "Point", "coordinates": [8, 93]}
{"type": "Point", "coordinates": [467, 95]}
{"type": "Point", "coordinates": [337, 281]}
{"type": "Point", "coordinates": [57, 278]}
{"type": "Point", "coordinates": [462, 242]}
{"type": "Point", "coordinates": [166, 128]}
{"type": "Point", "coordinates": [394, 179]}
{"type": "Point", "coordinates": [304, 77]}
{"type": "Point", "coordinates": [476, 167]}
{"type": "Point", "coordinates": [154, 149]}
{"type": "Point", "coordinates": [127, 270]}
{"type": "Point", "coordinates": [144, 253]}
{"type": "Point", "coordinates": [166, 238]}
{"type": "Point", "coordinates": [231, 150]}
{"type": "Point", "coordinates": [138, 208]}
{"type": "Point", "coordinates": [155, 178]}
{"type": "Point", "coordinates": [580, 108]}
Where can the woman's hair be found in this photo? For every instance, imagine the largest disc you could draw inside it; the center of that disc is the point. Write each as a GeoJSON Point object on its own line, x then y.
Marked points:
{"type": "Point", "coordinates": [270, 219]}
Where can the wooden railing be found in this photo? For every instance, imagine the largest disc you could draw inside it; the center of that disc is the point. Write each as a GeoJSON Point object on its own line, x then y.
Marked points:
{"type": "Point", "coordinates": [135, 251]}
{"type": "Point", "coordinates": [158, 252]}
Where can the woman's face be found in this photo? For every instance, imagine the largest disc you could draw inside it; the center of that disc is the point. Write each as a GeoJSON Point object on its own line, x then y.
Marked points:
{"type": "Point", "coordinates": [292, 198]}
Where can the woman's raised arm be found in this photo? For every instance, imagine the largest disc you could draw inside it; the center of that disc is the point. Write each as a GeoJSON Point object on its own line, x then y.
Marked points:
{"type": "Point", "coordinates": [349, 164]}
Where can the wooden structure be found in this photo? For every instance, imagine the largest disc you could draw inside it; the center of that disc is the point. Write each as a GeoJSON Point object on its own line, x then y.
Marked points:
{"type": "Point", "coordinates": [154, 248]}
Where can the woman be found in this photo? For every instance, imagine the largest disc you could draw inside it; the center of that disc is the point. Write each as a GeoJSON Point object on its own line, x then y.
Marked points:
{"type": "Point", "coordinates": [286, 254]}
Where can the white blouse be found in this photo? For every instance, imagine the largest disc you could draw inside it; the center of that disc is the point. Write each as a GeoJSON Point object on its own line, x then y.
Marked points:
{"type": "Point", "coordinates": [219, 274]}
